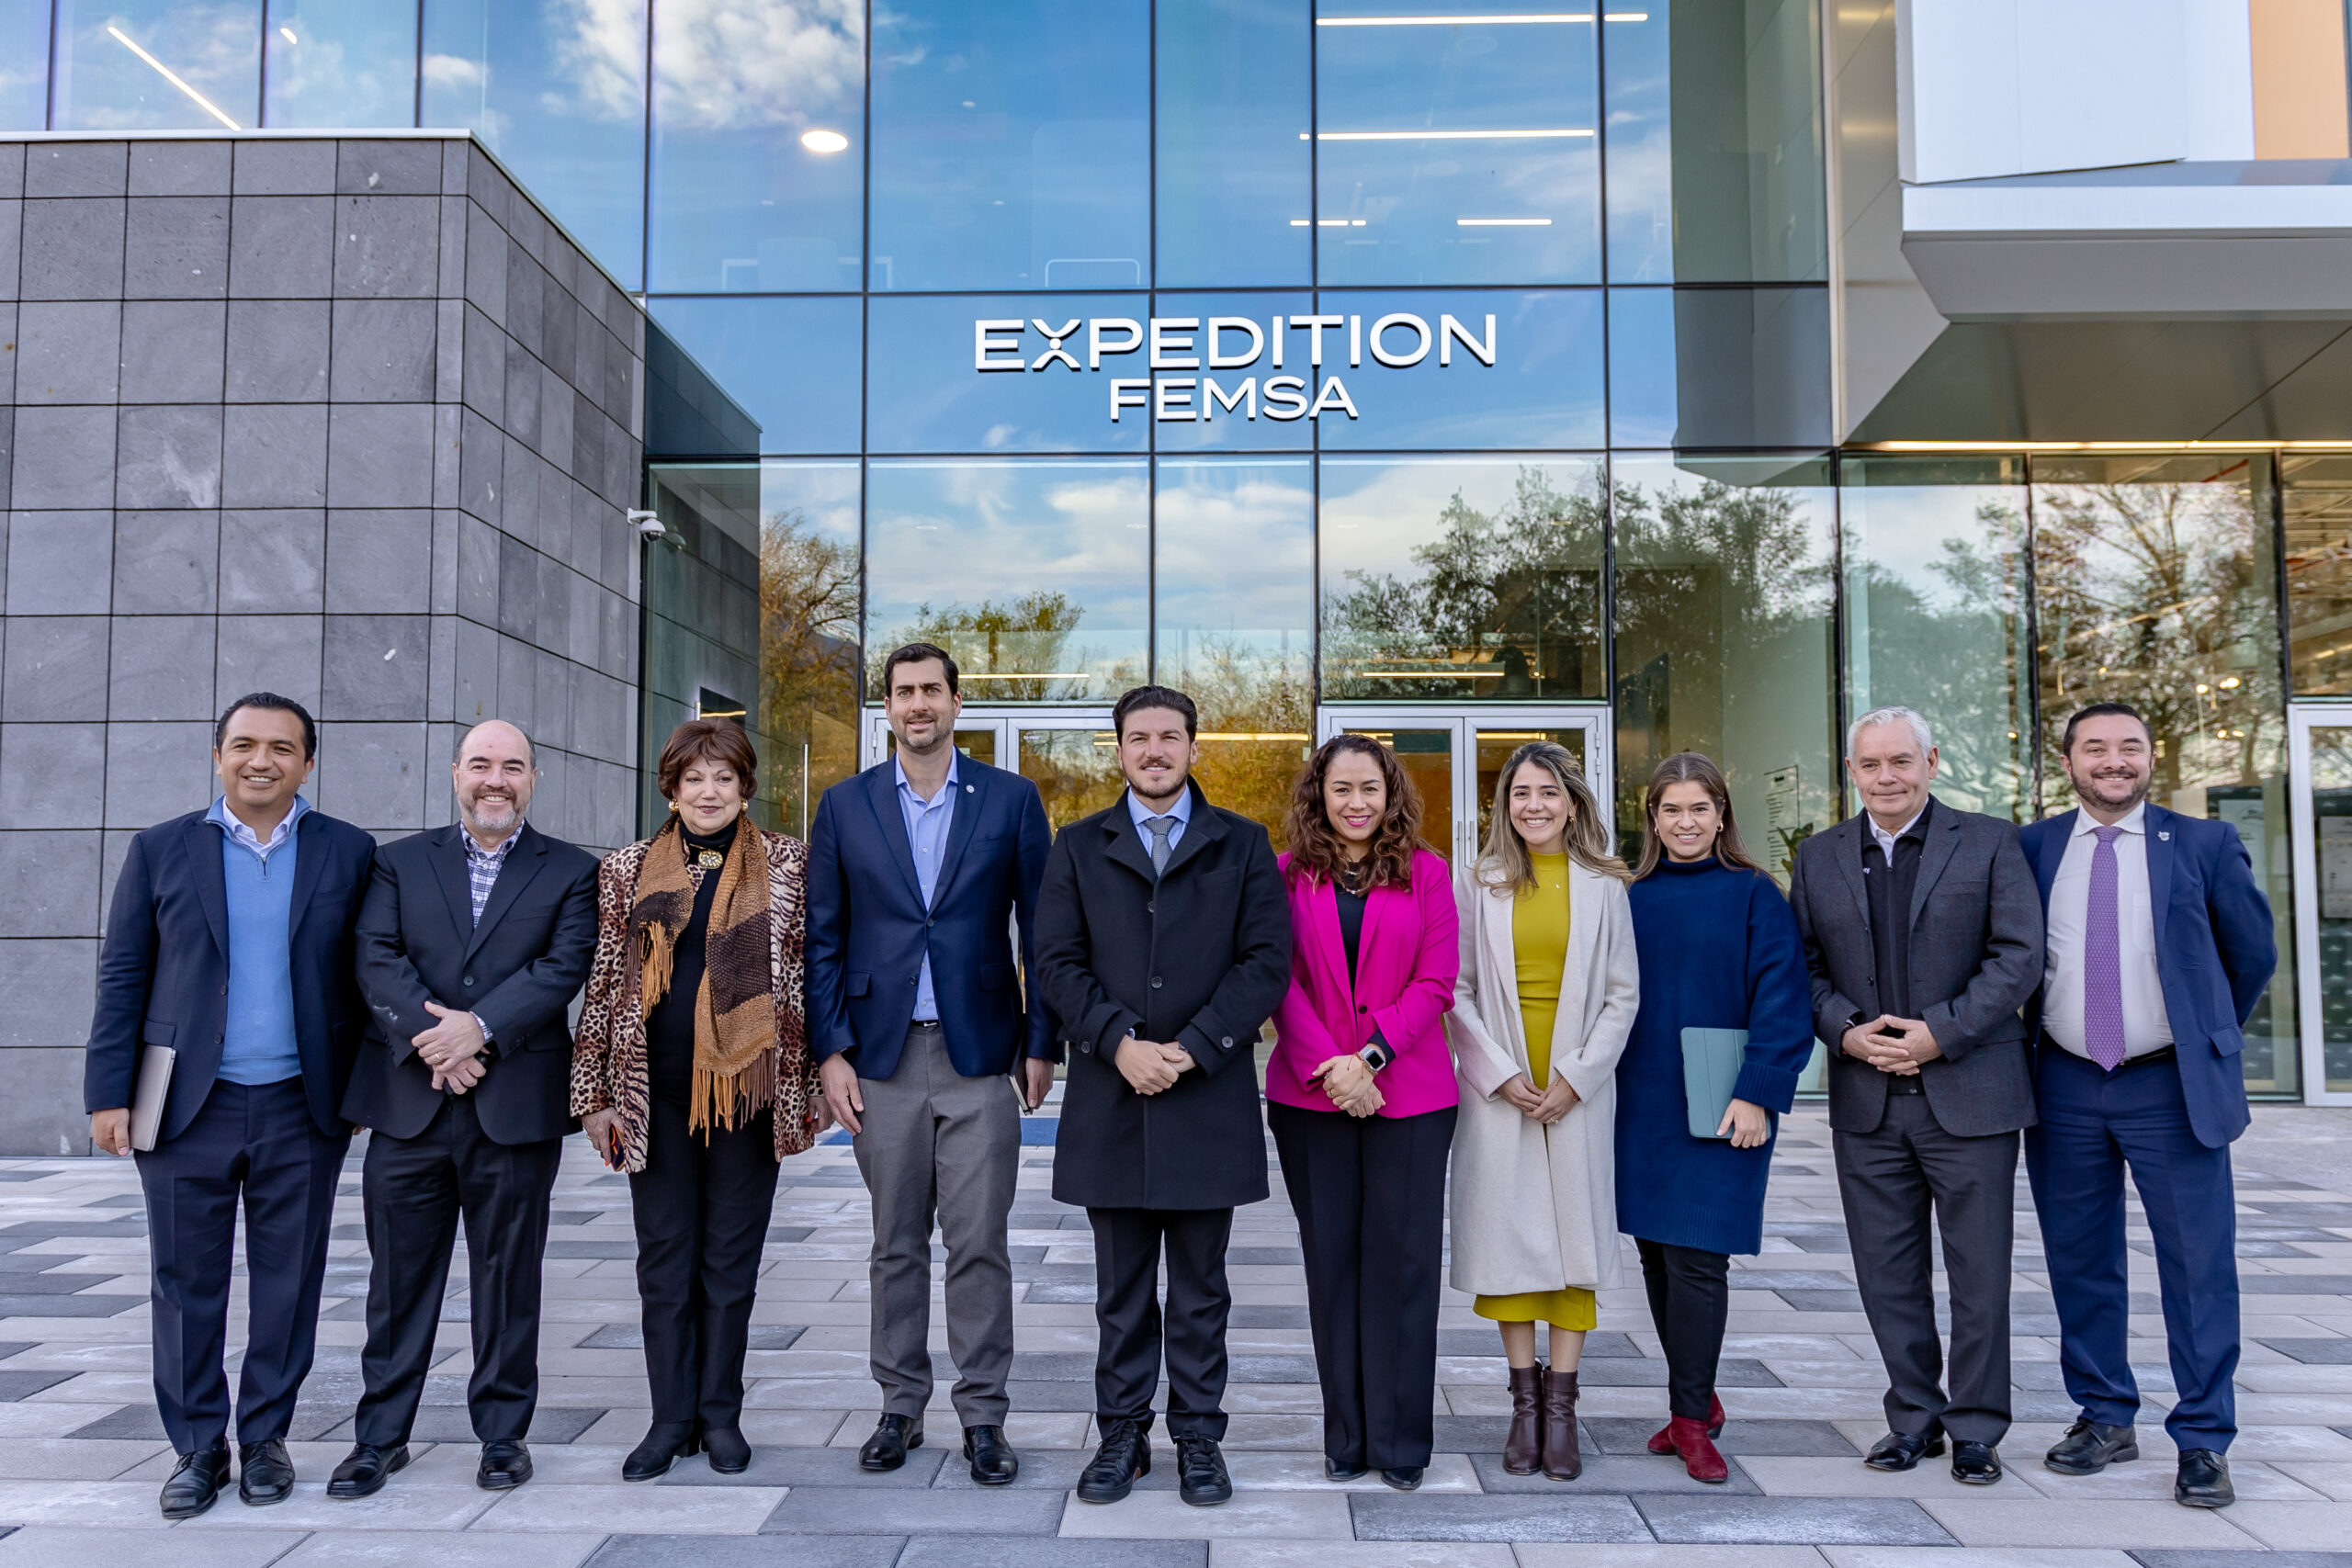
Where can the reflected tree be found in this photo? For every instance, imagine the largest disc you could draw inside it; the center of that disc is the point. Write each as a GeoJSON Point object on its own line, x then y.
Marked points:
{"type": "Point", "coordinates": [809, 582]}
{"type": "Point", "coordinates": [1507, 601]}
{"type": "Point", "coordinates": [1023, 651]}
{"type": "Point", "coordinates": [1257, 723]}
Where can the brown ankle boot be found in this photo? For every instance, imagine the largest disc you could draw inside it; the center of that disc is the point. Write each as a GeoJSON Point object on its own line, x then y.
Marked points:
{"type": "Point", "coordinates": [1562, 1461]}
{"type": "Point", "coordinates": [1523, 1448]}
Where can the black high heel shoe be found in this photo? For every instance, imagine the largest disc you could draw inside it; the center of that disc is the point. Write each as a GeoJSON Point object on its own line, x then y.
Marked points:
{"type": "Point", "coordinates": [665, 1444]}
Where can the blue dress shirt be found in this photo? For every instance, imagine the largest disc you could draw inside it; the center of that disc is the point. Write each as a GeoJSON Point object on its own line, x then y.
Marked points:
{"type": "Point", "coordinates": [1182, 810]}
{"type": "Point", "coordinates": [927, 824]}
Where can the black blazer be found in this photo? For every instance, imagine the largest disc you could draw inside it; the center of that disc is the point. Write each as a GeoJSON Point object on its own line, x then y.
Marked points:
{"type": "Point", "coordinates": [1202, 957]}
{"type": "Point", "coordinates": [518, 969]}
{"type": "Point", "coordinates": [164, 972]}
{"type": "Point", "coordinates": [1975, 930]}
{"type": "Point", "coordinates": [869, 931]}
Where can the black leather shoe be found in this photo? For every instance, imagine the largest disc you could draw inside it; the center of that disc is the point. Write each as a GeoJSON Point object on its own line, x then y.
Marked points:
{"type": "Point", "coordinates": [729, 1452]}
{"type": "Point", "coordinates": [664, 1444]}
{"type": "Point", "coordinates": [1405, 1477]}
{"type": "Point", "coordinates": [364, 1469]}
{"type": "Point", "coordinates": [195, 1482]}
{"type": "Point", "coordinates": [505, 1464]}
{"type": "Point", "coordinates": [1900, 1451]}
{"type": "Point", "coordinates": [2088, 1448]}
{"type": "Point", "coordinates": [993, 1461]}
{"type": "Point", "coordinates": [893, 1435]}
{"type": "Point", "coordinates": [1974, 1464]}
{"type": "Point", "coordinates": [1124, 1458]}
{"type": "Point", "coordinates": [265, 1475]}
{"type": "Point", "coordinates": [2203, 1481]}
{"type": "Point", "coordinates": [1200, 1479]}
{"type": "Point", "coordinates": [1334, 1470]}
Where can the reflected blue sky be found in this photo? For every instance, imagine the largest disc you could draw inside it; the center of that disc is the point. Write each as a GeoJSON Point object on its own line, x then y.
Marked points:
{"type": "Point", "coordinates": [923, 394]}
{"type": "Point", "coordinates": [976, 540]}
{"type": "Point", "coordinates": [758, 161]}
{"type": "Point", "coordinates": [1234, 171]}
{"type": "Point", "coordinates": [106, 82]}
{"type": "Point", "coordinates": [558, 91]}
{"type": "Point", "coordinates": [340, 62]}
{"type": "Point", "coordinates": [24, 64]}
{"type": "Point", "coordinates": [793, 364]}
{"type": "Point", "coordinates": [1211, 514]}
{"type": "Point", "coordinates": [1012, 144]}
{"type": "Point", "coordinates": [823, 496]}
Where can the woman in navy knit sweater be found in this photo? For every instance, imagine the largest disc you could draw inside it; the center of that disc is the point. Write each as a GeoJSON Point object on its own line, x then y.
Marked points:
{"type": "Point", "coordinates": [1718, 950]}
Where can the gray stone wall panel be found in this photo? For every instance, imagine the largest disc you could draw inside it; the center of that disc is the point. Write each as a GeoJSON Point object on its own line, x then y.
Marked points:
{"type": "Point", "coordinates": [383, 350]}
{"type": "Point", "coordinates": [48, 983]}
{"type": "Point", "coordinates": [166, 562]}
{"type": "Point", "coordinates": [176, 247]}
{"type": "Point", "coordinates": [157, 772]}
{"type": "Point", "coordinates": [387, 247]}
{"type": "Point", "coordinates": [69, 351]}
{"type": "Point", "coordinates": [390, 167]}
{"type": "Point", "coordinates": [180, 168]}
{"type": "Point", "coordinates": [61, 563]}
{"type": "Point", "coordinates": [273, 562]}
{"type": "Point", "coordinates": [379, 561]}
{"type": "Point", "coordinates": [374, 666]}
{"type": "Point", "coordinates": [380, 455]}
{"type": "Point", "coordinates": [285, 168]}
{"type": "Point", "coordinates": [273, 455]}
{"type": "Point", "coordinates": [373, 774]}
{"type": "Point", "coordinates": [34, 758]}
{"type": "Point", "coordinates": [281, 247]}
{"type": "Point", "coordinates": [278, 351]}
{"type": "Point", "coordinates": [268, 653]}
{"type": "Point", "coordinates": [169, 454]}
{"type": "Point", "coordinates": [77, 168]}
{"type": "Point", "coordinates": [161, 668]}
{"type": "Point", "coordinates": [72, 249]}
{"type": "Point", "coordinates": [174, 351]}
{"type": "Point", "coordinates": [64, 457]}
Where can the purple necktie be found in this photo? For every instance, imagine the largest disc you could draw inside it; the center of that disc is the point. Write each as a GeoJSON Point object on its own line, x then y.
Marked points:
{"type": "Point", "coordinates": [2103, 959]}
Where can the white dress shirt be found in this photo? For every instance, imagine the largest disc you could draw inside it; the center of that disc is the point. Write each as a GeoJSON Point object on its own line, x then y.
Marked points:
{"type": "Point", "coordinates": [2146, 1026]}
{"type": "Point", "coordinates": [1887, 840]}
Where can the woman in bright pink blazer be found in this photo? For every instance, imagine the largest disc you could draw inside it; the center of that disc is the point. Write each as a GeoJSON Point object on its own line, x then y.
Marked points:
{"type": "Point", "coordinates": [1360, 1097]}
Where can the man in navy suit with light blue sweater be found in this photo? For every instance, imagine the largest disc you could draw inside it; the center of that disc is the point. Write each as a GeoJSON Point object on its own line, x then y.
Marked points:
{"type": "Point", "coordinates": [2160, 943]}
{"type": "Point", "coordinates": [917, 870]}
{"type": "Point", "coordinates": [231, 943]}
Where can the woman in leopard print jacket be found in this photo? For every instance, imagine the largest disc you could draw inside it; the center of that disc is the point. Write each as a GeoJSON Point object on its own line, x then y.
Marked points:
{"type": "Point", "coordinates": [691, 1072]}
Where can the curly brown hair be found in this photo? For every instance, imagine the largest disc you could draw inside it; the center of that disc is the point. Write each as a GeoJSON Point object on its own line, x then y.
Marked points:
{"type": "Point", "coordinates": [1315, 852]}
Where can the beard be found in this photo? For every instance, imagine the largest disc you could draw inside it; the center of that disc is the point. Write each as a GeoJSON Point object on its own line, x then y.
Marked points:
{"type": "Point", "coordinates": [2104, 790]}
{"type": "Point", "coordinates": [496, 814]}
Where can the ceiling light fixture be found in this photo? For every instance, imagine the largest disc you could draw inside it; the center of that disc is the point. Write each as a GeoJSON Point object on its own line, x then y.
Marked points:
{"type": "Point", "coordinates": [288, 34]}
{"type": "Point", "coordinates": [1438, 135]}
{"type": "Point", "coordinates": [1491, 21]}
{"type": "Point", "coordinates": [1502, 222]}
{"type": "Point", "coordinates": [824, 140]}
{"type": "Point", "coordinates": [171, 76]}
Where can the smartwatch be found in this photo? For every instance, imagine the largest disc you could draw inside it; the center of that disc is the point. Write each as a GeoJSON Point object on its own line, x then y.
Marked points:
{"type": "Point", "coordinates": [1377, 1055]}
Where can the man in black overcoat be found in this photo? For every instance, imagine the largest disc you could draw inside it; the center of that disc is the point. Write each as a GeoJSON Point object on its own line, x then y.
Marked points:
{"type": "Point", "coordinates": [1163, 945]}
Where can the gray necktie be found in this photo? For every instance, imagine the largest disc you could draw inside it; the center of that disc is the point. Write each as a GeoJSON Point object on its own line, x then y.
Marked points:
{"type": "Point", "coordinates": [1158, 828]}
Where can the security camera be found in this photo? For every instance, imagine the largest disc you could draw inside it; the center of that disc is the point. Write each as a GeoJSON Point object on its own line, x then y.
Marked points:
{"type": "Point", "coordinates": [647, 523]}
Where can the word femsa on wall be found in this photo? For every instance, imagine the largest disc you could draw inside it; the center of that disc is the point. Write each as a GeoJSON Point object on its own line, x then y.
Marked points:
{"type": "Point", "coordinates": [1178, 343]}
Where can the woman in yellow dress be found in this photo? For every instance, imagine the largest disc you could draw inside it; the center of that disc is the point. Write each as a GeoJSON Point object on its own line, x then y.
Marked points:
{"type": "Point", "coordinates": [1547, 994]}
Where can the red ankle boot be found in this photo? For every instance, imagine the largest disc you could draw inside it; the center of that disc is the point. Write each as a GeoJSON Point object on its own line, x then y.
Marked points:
{"type": "Point", "coordinates": [1689, 1438]}
{"type": "Point", "coordinates": [1660, 1443]}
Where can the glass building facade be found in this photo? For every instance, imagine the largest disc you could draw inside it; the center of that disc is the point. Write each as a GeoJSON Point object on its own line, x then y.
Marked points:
{"type": "Point", "coordinates": [1453, 373]}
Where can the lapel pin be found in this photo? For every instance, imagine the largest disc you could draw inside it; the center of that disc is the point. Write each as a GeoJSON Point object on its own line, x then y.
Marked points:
{"type": "Point", "coordinates": [969, 788]}
{"type": "Point", "coordinates": [2164, 834]}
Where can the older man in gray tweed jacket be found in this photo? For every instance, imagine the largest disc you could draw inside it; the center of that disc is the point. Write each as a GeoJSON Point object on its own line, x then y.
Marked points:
{"type": "Point", "coordinates": [1923, 931]}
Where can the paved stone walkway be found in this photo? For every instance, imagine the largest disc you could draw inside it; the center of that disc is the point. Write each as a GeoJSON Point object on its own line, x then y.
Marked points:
{"type": "Point", "coordinates": [80, 1453]}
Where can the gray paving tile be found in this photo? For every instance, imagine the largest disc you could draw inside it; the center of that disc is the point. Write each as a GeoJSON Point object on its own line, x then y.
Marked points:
{"type": "Point", "coordinates": [852, 1510]}
{"type": "Point", "coordinates": [748, 1551]}
{"type": "Point", "coordinates": [1044, 1469]}
{"type": "Point", "coordinates": [1789, 1439]}
{"type": "Point", "coordinates": [15, 1306]}
{"type": "Point", "coordinates": [1423, 1517]}
{"type": "Point", "coordinates": [772, 1466]}
{"type": "Point", "coordinates": [1480, 1341]}
{"type": "Point", "coordinates": [1809, 1521]}
{"type": "Point", "coordinates": [450, 1424]}
{"type": "Point", "coordinates": [2155, 1557]}
{"type": "Point", "coordinates": [24, 1385]}
{"type": "Point", "coordinates": [631, 1337]}
{"type": "Point", "coordinates": [1646, 1372]}
{"type": "Point", "coordinates": [1620, 1473]}
{"type": "Point", "coordinates": [1021, 1551]}
{"type": "Point", "coordinates": [2294, 1285]}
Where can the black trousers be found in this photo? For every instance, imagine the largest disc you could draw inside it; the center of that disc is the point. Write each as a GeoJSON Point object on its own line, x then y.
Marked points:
{"type": "Point", "coordinates": [1891, 1181]}
{"type": "Point", "coordinates": [416, 1189]}
{"type": "Point", "coordinates": [1370, 1196]}
{"type": "Point", "coordinates": [1128, 1245]}
{"type": "Point", "coordinates": [259, 1145]}
{"type": "Point", "coordinates": [702, 1218]}
{"type": "Point", "coordinates": [1690, 1301]}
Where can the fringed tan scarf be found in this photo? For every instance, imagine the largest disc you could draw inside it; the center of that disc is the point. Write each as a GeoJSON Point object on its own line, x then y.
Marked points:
{"type": "Point", "coordinates": [735, 1035]}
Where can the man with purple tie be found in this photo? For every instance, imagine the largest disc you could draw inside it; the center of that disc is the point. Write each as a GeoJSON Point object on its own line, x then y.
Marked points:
{"type": "Point", "coordinates": [2159, 945]}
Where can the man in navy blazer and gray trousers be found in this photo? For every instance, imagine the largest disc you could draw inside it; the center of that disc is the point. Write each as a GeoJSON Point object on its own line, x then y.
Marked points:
{"type": "Point", "coordinates": [230, 943]}
{"type": "Point", "coordinates": [917, 869]}
{"type": "Point", "coordinates": [2160, 945]}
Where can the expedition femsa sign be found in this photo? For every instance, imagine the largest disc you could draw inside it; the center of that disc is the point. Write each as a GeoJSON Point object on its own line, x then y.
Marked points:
{"type": "Point", "coordinates": [1228, 344]}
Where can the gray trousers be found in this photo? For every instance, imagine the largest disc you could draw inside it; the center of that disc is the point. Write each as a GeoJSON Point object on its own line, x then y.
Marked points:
{"type": "Point", "coordinates": [937, 1144]}
{"type": "Point", "coordinates": [1890, 1180]}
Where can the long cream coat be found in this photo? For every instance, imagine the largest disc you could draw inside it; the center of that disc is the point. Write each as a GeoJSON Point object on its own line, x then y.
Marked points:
{"type": "Point", "coordinates": [1534, 1208]}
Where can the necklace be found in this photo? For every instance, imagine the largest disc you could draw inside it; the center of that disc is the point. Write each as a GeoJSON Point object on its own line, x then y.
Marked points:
{"type": "Point", "coordinates": [1352, 876]}
{"type": "Point", "coordinates": [710, 860]}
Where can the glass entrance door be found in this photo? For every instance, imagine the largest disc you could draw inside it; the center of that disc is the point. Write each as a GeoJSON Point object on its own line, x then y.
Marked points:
{"type": "Point", "coordinates": [1455, 757]}
{"type": "Point", "coordinates": [2320, 769]}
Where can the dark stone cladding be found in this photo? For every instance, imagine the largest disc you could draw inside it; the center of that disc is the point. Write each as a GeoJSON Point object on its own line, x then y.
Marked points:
{"type": "Point", "coordinates": [347, 418]}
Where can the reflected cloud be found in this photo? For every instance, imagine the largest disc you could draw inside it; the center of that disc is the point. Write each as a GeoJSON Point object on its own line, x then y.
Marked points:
{"type": "Point", "coordinates": [743, 64]}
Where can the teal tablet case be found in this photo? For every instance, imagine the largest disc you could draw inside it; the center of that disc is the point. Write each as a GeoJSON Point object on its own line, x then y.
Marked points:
{"type": "Point", "coordinates": [1711, 1063]}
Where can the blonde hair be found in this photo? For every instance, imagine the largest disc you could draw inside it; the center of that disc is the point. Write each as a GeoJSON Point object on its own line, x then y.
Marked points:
{"type": "Point", "coordinates": [1504, 861]}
